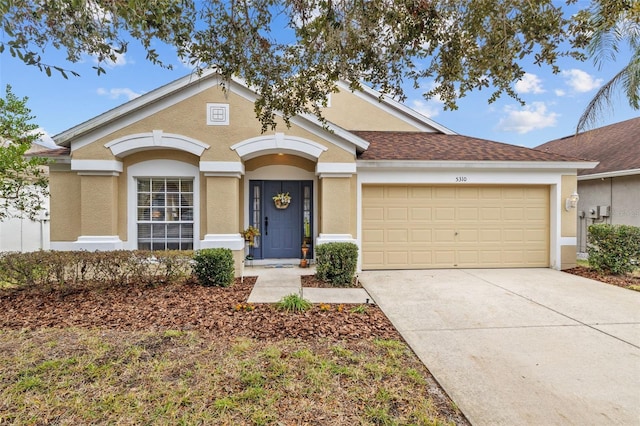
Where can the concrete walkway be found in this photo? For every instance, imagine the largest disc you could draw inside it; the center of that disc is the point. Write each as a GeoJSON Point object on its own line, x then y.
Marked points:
{"type": "Point", "coordinates": [277, 281]}
{"type": "Point", "coordinates": [521, 346]}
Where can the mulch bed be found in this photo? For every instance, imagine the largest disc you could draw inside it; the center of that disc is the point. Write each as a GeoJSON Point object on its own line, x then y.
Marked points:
{"type": "Point", "coordinates": [222, 312]}
{"type": "Point", "coordinates": [625, 281]}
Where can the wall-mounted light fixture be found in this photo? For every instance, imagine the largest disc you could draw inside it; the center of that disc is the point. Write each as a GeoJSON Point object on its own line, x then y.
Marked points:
{"type": "Point", "coordinates": [572, 201]}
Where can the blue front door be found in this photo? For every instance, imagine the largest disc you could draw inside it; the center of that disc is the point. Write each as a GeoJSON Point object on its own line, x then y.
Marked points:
{"type": "Point", "coordinates": [282, 230]}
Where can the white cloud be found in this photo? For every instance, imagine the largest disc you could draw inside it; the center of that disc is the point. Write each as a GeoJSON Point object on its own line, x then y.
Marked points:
{"type": "Point", "coordinates": [581, 81]}
{"type": "Point", "coordinates": [529, 83]}
{"type": "Point", "coordinates": [560, 92]}
{"type": "Point", "coordinates": [120, 61]}
{"type": "Point", "coordinates": [526, 119]}
{"type": "Point", "coordinates": [429, 108]}
{"type": "Point", "coordinates": [118, 92]}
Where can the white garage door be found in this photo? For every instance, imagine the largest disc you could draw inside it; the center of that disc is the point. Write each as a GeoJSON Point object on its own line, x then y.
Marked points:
{"type": "Point", "coordinates": [421, 227]}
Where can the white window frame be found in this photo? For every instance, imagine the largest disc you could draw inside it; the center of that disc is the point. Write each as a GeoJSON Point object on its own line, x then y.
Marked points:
{"type": "Point", "coordinates": [159, 169]}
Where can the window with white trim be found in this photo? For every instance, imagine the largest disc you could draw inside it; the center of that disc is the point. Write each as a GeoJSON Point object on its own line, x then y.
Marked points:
{"type": "Point", "coordinates": [165, 213]}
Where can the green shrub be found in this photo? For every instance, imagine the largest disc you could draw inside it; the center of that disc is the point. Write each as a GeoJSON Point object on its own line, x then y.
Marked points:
{"type": "Point", "coordinates": [337, 263]}
{"type": "Point", "coordinates": [49, 269]}
{"type": "Point", "coordinates": [613, 248]}
{"type": "Point", "coordinates": [293, 303]}
{"type": "Point", "coordinates": [214, 267]}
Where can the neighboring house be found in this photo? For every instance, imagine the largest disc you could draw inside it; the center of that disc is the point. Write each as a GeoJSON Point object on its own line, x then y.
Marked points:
{"type": "Point", "coordinates": [186, 166]}
{"type": "Point", "coordinates": [23, 234]}
{"type": "Point", "coordinates": [610, 192]}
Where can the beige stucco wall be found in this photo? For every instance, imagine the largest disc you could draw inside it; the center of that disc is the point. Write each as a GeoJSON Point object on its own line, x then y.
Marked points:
{"type": "Point", "coordinates": [336, 204]}
{"type": "Point", "coordinates": [188, 118]}
{"type": "Point", "coordinates": [223, 195]}
{"type": "Point", "coordinates": [65, 205]}
{"type": "Point", "coordinates": [351, 112]}
{"type": "Point", "coordinates": [98, 205]}
{"type": "Point", "coordinates": [568, 221]}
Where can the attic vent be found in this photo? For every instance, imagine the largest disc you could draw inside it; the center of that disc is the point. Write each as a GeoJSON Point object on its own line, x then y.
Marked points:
{"type": "Point", "coordinates": [217, 114]}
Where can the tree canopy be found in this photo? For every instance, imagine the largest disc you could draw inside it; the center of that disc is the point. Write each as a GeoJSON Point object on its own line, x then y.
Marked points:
{"type": "Point", "coordinates": [292, 52]}
{"type": "Point", "coordinates": [613, 25]}
{"type": "Point", "coordinates": [23, 182]}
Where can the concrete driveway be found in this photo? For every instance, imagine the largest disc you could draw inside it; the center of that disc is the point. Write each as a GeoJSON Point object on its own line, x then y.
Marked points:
{"type": "Point", "coordinates": [521, 346]}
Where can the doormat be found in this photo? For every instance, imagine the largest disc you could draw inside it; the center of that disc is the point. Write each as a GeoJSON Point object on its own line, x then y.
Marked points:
{"type": "Point", "coordinates": [278, 266]}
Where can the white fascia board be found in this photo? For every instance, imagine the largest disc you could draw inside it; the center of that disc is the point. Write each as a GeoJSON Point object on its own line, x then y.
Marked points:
{"type": "Point", "coordinates": [604, 175]}
{"type": "Point", "coordinates": [511, 165]}
{"type": "Point", "coordinates": [397, 109]}
{"type": "Point", "coordinates": [96, 165]}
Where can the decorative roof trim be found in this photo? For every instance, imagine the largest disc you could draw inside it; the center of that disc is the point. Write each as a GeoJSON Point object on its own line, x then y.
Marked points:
{"type": "Point", "coordinates": [130, 144]}
{"type": "Point", "coordinates": [277, 143]}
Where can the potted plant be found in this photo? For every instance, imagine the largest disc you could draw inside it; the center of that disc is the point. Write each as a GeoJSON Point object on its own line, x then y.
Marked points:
{"type": "Point", "coordinates": [282, 200]}
{"type": "Point", "coordinates": [249, 235]}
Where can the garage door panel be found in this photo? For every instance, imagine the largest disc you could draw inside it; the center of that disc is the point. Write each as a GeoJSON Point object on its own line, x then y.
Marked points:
{"type": "Point", "coordinates": [536, 213]}
{"type": "Point", "coordinates": [397, 192]}
{"type": "Point", "coordinates": [372, 236]}
{"type": "Point", "coordinates": [421, 257]}
{"type": "Point", "coordinates": [397, 236]}
{"type": "Point", "coordinates": [444, 235]}
{"type": "Point", "coordinates": [397, 258]}
{"type": "Point", "coordinates": [467, 213]}
{"type": "Point", "coordinates": [468, 193]}
{"type": "Point", "coordinates": [467, 236]}
{"type": "Point", "coordinates": [490, 213]}
{"type": "Point", "coordinates": [420, 236]}
{"type": "Point", "coordinates": [373, 213]}
{"type": "Point", "coordinates": [445, 193]}
{"type": "Point", "coordinates": [513, 213]}
{"type": "Point", "coordinates": [420, 213]}
{"type": "Point", "coordinates": [468, 257]}
{"type": "Point", "coordinates": [447, 226]}
{"type": "Point", "coordinates": [397, 213]}
{"type": "Point", "coordinates": [491, 235]}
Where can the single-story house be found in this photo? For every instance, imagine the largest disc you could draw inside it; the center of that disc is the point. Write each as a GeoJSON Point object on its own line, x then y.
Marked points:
{"type": "Point", "coordinates": [186, 166]}
{"type": "Point", "coordinates": [610, 192]}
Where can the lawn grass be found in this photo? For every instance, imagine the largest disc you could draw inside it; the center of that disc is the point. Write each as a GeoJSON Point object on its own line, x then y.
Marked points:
{"type": "Point", "coordinates": [80, 376]}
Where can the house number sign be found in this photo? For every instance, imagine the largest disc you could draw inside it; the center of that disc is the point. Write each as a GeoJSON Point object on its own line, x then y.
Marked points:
{"type": "Point", "coordinates": [461, 179]}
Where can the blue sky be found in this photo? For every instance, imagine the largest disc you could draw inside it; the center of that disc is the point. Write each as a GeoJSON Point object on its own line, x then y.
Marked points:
{"type": "Point", "coordinates": [553, 102]}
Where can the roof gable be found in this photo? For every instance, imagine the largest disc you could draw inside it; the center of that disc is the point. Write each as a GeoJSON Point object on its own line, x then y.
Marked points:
{"type": "Point", "coordinates": [175, 92]}
{"type": "Point", "coordinates": [616, 147]}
